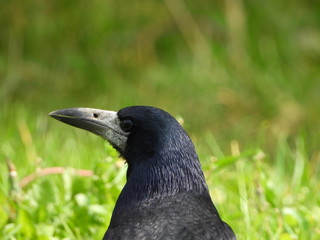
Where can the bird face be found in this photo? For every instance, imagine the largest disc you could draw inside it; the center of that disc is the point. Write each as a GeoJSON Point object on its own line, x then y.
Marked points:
{"type": "Point", "coordinates": [140, 134]}
{"type": "Point", "coordinates": [136, 132]}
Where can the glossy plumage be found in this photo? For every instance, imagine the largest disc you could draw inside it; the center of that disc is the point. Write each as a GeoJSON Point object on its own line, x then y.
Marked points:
{"type": "Point", "coordinates": [166, 196]}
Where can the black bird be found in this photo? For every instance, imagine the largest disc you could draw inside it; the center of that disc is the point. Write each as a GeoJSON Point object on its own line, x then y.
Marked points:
{"type": "Point", "coordinates": [166, 196]}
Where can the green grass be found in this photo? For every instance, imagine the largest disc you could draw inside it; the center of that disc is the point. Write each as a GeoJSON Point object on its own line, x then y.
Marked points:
{"type": "Point", "coordinates": [236, 66]}
{"type": "Point", "coordinates": [259, 196]}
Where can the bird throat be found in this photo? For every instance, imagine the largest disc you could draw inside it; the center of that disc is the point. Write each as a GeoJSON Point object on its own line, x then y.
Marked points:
{"type": "Point", "coordinates": [162, 175]}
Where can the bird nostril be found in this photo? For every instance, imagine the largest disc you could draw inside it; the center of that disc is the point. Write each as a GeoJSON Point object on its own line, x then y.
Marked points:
{"type": "Point", "coordinates": [95, 115]}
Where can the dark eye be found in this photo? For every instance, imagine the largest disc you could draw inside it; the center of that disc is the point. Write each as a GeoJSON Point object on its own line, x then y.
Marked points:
{"type": "Point", "coordinates": [126, 125]}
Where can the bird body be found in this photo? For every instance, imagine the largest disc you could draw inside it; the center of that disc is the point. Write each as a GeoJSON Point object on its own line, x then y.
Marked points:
{"type": "Point", "coordinates": [179, 216]}
{"type": "Point", "coordinates": [165, 196]}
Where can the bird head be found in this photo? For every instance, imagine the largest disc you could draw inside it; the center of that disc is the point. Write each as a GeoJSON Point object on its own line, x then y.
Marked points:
{"type": "Point", "coordinates": [136, 132]}
{"type": "Point", "coordinates": [152, 142]}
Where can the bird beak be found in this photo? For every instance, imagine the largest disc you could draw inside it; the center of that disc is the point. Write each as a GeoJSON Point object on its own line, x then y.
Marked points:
{"type": "Point", "coordinates": [100, 122]}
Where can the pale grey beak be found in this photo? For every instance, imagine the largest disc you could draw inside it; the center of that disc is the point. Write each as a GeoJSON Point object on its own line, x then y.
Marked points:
{"type": "Point", "coordinates": [101, 122]}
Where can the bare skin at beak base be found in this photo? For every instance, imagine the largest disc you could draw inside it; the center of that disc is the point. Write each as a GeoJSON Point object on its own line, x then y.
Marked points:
{"type": "Point", "coordinates": [101, 122]}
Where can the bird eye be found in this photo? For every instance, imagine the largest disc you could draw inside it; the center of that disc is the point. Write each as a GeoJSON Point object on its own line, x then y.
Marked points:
{"type": "Point", "coordinates": [126, 125]}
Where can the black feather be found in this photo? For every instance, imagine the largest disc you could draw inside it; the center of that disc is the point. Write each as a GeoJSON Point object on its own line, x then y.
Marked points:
{"type": "Point", "coordinates": [166, 196]}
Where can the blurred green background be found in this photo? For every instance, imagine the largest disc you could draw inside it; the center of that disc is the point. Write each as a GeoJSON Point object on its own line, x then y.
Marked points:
{"type": "Point", "coordinates": [233, 67]}
{"type": "Point", "coordinates": [240, 73]}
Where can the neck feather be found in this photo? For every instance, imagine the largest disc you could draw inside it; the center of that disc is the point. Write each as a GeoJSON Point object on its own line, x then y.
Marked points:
{"type": "Point", "coordinates": [164, 174]}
